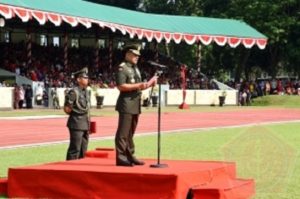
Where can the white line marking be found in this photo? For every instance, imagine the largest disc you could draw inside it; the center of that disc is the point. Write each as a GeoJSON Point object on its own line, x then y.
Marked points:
{"type": "Point", "coordinates": [33, 117]}
{"type": "Point", "coordinates": [153, 133]}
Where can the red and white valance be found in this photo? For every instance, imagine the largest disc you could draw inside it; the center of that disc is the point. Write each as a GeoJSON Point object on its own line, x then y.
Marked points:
{"type": "Point", "coordinates": [121, 29]}
{"type": "Point", "coordinates": [158, 36]}
{"type": "Point", "coordinates": [205, 39]}
{"type": "Point", "coordinates": [177, 37]}
{"type": "Point", "coordinates": [54, 18]}
{"type": "Point", "coordinates": [70, 20]}
{"type": "Point", "coordinates": [234, 41]}
{"type": "Point", "coordinates": [111, 26]}
{"type": "Point", "coordinates": [189, 39]}
{"type": "Point", "coordinates": [6, 12]}
{"type": "Point", "coordinates": [39, 16]}
{"type": "Point", "coordinates": [261, 43]}
{"type": "Point", "coordinates": [220, 40]}
{"type": "Point", "coordinates": [149, 35]}
{"type": "Point", "coordinates": [23, 14]}
{"type": "Point", "coordinates": [42, 17]}
{"type": "Point", "coordinates": [248, 42]}
{"type": "Point", "coordinates": [139, 33]}
{"type": "Point", "coordinates": [130, 31]}
{"type": "Point", "coordinates": [167, 36]}
{"type": "Point", "coordinates": [85, 22]}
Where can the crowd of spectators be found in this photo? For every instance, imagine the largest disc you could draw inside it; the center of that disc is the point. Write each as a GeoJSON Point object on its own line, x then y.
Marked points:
{"type": "Point", "coordinates": [261, 87]}
{"type": "Point", "coordinates": [47, 66]}
{"type": "Point", "coordinates": [23, 95]}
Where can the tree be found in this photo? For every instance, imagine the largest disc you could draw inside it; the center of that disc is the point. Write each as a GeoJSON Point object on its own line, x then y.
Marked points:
{"type": "Point", "coordinates": [275, 18]}
{"type": "Point", "coordinates": [279, 19]}
{"type": "Point", "coordinates": [292, 55]}
{"type": "Point", "coordinates": [128, 4]}
{"type": "Point", "coordinates": [179, 7]}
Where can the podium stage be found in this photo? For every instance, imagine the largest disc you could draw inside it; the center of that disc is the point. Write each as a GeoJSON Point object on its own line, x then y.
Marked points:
{"type": "Point", "coordinates": [98, 177]}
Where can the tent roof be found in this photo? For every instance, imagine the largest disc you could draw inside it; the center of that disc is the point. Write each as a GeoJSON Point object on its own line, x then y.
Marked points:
{"type": "Point", "coordinates": [6, 73]}
{"type": "Point", "coordinates": [139, 24]}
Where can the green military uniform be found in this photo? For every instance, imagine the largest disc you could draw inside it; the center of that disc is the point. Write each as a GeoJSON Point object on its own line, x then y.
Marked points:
{"type": "Point", "coordinates": [79, 120]}
{"type": "Point", "coordinates": [129, 107]}
{"type": "Point", "coordinates": [128, 102]}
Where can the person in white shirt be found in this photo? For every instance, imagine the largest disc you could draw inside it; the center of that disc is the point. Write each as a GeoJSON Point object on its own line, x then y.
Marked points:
{"type": "Point", "coordinates": [21, 96]}
{"type": "Point", "coordinates": [39, 94]}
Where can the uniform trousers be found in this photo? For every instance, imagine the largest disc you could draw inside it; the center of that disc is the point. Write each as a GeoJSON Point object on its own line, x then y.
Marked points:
{"type": "Point", "coordinates": [78, 144]}
{"type": "Point", "coordinates": [124, 136]}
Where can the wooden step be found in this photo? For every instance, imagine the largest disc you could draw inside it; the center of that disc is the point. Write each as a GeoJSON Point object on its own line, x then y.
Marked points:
{"type": "Point", "coordinates": [225, 189]}
{"type": "Point", "coordinates": [101, 153]}
{"type": "Point", "coordinates": [3, 186]}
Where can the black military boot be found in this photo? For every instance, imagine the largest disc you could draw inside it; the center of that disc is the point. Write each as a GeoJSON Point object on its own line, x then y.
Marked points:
{"type": "Point", "coordinates": [135, 161]}
{"type": "Point", "coordinates": [124, 163]}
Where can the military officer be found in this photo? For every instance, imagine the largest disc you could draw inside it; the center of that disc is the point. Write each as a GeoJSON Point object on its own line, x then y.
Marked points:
{"type": "Point", "coordinates": [128, 79]}
{"type": "Point", "coordinates": [78, 107]}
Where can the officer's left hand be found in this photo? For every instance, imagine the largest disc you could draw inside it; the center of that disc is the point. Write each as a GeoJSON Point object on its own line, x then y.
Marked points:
{"type": "Point", "coordinates": [155, 82]}
{"type": "Point", "coordinates": [67, 109]}
{"type": "Point", "coordinates": [143, 86]}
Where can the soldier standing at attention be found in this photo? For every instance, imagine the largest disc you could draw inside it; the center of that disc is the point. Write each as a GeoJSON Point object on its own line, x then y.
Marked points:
{"type": "Point", "coordinates": [77, 107]}
{"type": "Point", "coordinates": [128, 79]}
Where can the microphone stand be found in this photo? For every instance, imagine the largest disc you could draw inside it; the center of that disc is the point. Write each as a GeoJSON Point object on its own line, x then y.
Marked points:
{"type": "Point", "coordinates": [158, 164]}
{"type": "Point", "coordinates": [157, 73]}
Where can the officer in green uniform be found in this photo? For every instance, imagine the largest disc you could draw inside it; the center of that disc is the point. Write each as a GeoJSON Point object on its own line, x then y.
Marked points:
{"type": "Point", "coordinates": [128, 79]}
{"type": "Point", "coordinates": [77, 107]}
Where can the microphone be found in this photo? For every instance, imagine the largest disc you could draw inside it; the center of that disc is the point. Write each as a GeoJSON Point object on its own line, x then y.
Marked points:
{"type": "Point", "coordinates": [157, 64]}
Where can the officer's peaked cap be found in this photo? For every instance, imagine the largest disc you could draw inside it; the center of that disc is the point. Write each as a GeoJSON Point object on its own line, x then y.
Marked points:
{"type": "Point", "coordinates": [134, 48]}
{"type": "Point", "coordinates": [81, 73]}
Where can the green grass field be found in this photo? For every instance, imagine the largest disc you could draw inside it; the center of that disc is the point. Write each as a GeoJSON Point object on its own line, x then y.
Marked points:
{"type": "Point", "coordinates": [267, 153]}
{"type": "Point", "coordinates": [278, 101]}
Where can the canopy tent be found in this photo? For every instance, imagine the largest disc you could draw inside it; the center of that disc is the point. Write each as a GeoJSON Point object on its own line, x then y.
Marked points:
{"type": "Point", "coordinates": [142, 25]}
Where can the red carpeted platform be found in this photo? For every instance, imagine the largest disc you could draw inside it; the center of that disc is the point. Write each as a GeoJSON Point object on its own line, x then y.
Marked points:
{"type": "Point", "coordinates": [101, 153]}
{"type": "Point", "coordinates": [3, 186]}
{"type": "Point", "coordinates": [225, 189]}
{"type": "Point", "coordinates": [100, 178]}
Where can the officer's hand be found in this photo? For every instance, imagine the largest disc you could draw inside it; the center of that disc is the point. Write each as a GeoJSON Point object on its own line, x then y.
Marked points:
{"type": "Point", "coordinates": [143, 86]}
{"type": "Point", "coordinates": [155, 82]}
{"type": "Point", "coordinates": [152, 81]}
{"type": "Point", "coordinates": [67, 109]}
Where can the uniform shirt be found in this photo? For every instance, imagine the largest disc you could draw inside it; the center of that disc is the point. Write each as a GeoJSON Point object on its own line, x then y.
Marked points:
{"type": "Point", "coordinates": [128, 102]}
{"type": "Point", "coordinates": [78, 100]}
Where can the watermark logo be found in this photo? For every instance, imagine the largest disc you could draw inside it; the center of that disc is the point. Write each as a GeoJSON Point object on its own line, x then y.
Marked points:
{"type": "Point", "coordinates": [263, 156]}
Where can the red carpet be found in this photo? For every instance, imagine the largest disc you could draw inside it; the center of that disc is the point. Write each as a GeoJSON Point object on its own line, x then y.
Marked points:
{"type": "Point", "coordinates": [225, 189]}
{"type": "Point", "coordinates": [101, 153]}
{"type": "Point", "coordinates": [100, 178]}
{"type": "Point", "coordinates": [3, 186]}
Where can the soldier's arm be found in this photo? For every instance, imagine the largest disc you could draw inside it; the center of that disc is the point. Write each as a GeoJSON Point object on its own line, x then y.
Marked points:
{"type": "Point", "coordinates": [69, 101]}
{"type": "Point", "coordinates": [126, 87]}
{"type": "Point", "coordinates": [133, 87]}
